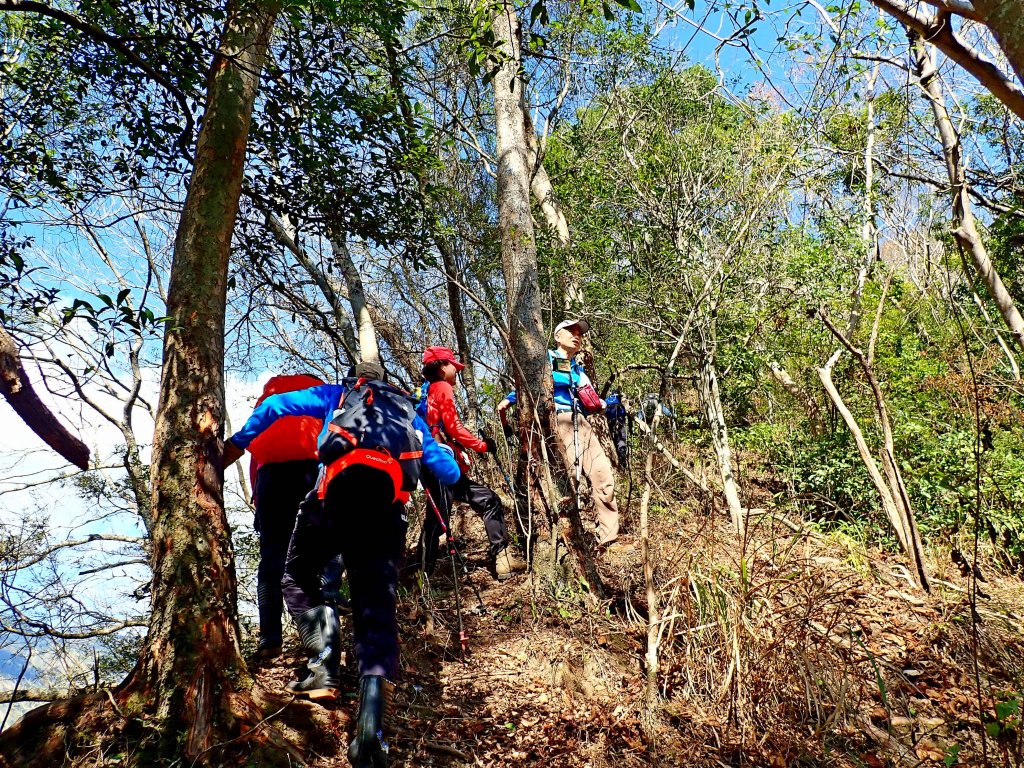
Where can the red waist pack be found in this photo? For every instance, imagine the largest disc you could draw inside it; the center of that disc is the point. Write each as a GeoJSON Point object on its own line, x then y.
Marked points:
{"type": "Point", "coordinates": [589, 398]}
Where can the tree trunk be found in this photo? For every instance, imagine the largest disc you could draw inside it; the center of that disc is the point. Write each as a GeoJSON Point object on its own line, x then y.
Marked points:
{"type": "Point", "coordinates": [554, 215]}
{"type": "Point", "coordinates": [17, 390]}
{"type": "Point", "coordinates": [190, 684]}
{"type": "Point", "coordinates": [459, 324]}
{"type": "Point", "coordinates": [368, 349]}
{"type": "Point", "coordinates": [707, 387]}
{"type": "Point", "coordinates": [651, 657]}
{"type": "Point", "coordinates": [867, 232]}
{"type": "Point", "coordinates": [888, 482]}
{"type": "Point", "coordinates": [1006, 22]}
{"type": "Point", "coordinates": [1003, 19]}
{"type": "Point", "coordinates": [191, 663]}
{"type": "Point", "coordinates": [531, 371]}
{"type": "Point", "coordinates": [810, 404]}
{"type": "Point", "coordinates": [964, 228]}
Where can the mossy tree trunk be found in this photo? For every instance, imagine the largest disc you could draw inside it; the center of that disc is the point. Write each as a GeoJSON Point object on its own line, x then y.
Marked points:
{"type": "Point", "coordinates": [191, 663]}
{"type": "Point", "coordinates": [531, 370]}
{"type": "Point", "coordinates": [190, 683]}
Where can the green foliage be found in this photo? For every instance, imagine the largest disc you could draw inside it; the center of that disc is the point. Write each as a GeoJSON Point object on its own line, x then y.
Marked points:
{"type": "Point", "coordinates": [1006, 247]}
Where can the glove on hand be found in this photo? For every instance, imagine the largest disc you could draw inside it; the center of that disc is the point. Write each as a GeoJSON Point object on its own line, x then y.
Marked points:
{"type": "Point", "coordinates": [492, 447]}
{"type": "Point", "coordinates": [510, 434]}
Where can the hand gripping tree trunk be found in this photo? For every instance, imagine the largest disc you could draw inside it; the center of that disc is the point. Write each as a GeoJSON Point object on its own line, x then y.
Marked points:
{"type": "Point", "coordinates": [531, 370]}
{"type": "Point", "coordinates": [964, 228]}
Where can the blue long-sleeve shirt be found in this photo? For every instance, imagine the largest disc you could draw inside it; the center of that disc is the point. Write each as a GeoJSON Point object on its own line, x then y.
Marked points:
{"type": "Point", "coordinates": [321, 402]}
{"type": "Point", "coordinates": [565, 382]}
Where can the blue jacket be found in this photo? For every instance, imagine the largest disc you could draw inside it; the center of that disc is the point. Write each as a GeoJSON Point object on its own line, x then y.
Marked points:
{"type": "Point", "coordinates": [565, 383]}
{"type": "Point", "coordinates": [320, 402]}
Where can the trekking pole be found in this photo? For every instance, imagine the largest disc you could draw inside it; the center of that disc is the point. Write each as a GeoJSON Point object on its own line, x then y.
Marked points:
{"type": "Point", "coordinates": [463, 639]}
{"type": "Point", "coordinates": [576, 450]}
{"type": "Point", "coordinates": [449, 536]}
{"type": "Point", "coordinates": [508, 480]}
{"type": "Point", "coordinates": [450, 539]}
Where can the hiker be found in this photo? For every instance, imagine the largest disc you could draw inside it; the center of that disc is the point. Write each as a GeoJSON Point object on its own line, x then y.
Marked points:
{"type": "Point", "coordinates": [437, 408]}
{"type": "Point", "coordinates": [282, 469]}
{"type": "Point", "coordinates": [371, 448]}
{"type": "Point", "coordinates": [575, 397]}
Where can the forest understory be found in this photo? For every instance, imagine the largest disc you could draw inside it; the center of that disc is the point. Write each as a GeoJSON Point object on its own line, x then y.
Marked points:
{"type": "Point", "coordinates": [792, 237]}
{"type": "Point", "coordinates": [797, 645]}
{"type": "Point", "coordinates": [793, 648]}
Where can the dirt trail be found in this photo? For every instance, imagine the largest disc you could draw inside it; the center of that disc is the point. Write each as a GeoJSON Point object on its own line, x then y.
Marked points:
{"type": "Point", "coordinates": [798, 649]}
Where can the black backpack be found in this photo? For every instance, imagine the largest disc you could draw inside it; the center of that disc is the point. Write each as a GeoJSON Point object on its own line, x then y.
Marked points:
{"type": "Point", "coordinates": [372, 427]}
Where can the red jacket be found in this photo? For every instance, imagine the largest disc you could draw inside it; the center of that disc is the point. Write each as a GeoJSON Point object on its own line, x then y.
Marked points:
{"type": "Point", "coordinates": [290, 438]}
{"type": "Point", "coordinates": [446, 426]}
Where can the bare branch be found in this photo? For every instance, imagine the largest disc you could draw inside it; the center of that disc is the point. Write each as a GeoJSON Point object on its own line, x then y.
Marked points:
{"type": "Point", "coordinates": [16, 388]}
{"type": "Point", "coordinates": [938, 30]}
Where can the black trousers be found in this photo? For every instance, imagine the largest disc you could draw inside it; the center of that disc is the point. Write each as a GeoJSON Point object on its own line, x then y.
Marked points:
{"type": "Point", "coordinates": [359, 520]}
{"type": "Point", "coordinates": [279, 490]}
{"type": "Point", "coordinates": [482, 499]}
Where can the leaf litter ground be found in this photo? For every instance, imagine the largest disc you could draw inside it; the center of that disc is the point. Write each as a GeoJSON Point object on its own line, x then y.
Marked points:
{"type": "Point", "coordinates": [791, 648]}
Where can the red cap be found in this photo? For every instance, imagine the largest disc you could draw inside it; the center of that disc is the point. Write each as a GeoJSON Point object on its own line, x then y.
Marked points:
{"type": "Point", "coordinates": [434, 354]}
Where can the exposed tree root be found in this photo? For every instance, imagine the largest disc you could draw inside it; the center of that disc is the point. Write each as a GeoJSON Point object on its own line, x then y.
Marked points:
{"type": "Point", "coordinates": [254, 729]}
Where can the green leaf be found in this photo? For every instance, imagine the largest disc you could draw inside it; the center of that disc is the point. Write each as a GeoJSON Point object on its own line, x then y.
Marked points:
{"type": "Point", "coordinates": [631, 5]}
{"type": "Point", "coordinates": [609, 14]}
{"type": "Point", "coordinates": [951, 752]}
{"type": "Point", "coordinates": [1006, 708]}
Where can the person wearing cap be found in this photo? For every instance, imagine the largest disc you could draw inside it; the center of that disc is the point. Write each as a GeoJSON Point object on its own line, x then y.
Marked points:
{"type": "Point", "coordinates": [361, 514]}
{"type": "Point", "coordinates": [575, 397]}
{"type": "Point", "coordinates": [437, 408]}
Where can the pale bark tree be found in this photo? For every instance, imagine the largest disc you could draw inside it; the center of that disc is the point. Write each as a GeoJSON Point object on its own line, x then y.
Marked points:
{"type": "Point", "coordinates": [933, 20]}
{"type": "Point", "coordinates": [368, 349]}
{"type": "Point", "coordinates": [965, 230]}
{"type": "Point", "coordinates": [531, 370]}
{"type": "Point", "coordinates": [810, 404]}
{"type": "Point", "coordinates": [888, 480]}
{"type": "Point", "coordinates": [714, 412]}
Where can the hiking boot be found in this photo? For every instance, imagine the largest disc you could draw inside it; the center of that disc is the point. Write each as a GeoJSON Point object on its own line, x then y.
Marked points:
{"type": "Point", "coordinates": [507, 565]}
{"type": "Point", "coordinates": [321, 639]}
{"type": "Point", "coordinates": [368, 748]}
{"type": "Point", "coordinates": [268, 649]}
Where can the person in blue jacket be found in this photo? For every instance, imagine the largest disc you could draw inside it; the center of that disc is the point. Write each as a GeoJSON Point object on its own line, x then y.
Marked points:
{"type": "Point", "coordinates": [575, 399]}
{"type": "Point", "coordinates": [360, 518]}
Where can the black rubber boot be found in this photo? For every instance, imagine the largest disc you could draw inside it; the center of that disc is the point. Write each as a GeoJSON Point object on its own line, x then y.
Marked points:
{"type": "Point", "coordinates": [368, 748]}
{"type": "Point", "coordinates": [321, 639]}
{"type": "Point", "coordinates": [269, 600]}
